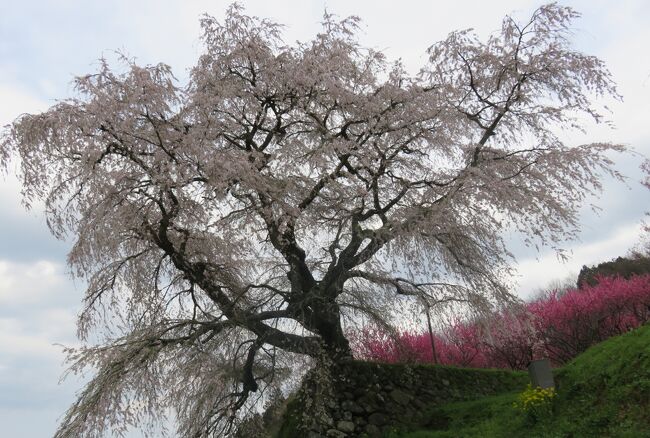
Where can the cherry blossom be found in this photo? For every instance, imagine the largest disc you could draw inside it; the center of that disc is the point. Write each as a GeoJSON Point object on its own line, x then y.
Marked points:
{"type": "Point", "coordinates": [230, 225]}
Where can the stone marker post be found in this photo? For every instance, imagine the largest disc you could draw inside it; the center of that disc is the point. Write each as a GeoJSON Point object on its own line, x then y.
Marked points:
{"type": "Point", "coordinates": [540, 374]}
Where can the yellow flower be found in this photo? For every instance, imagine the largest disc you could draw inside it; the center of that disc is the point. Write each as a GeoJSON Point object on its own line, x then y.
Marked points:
{"type": "Point", "coordinates": [535, 401]}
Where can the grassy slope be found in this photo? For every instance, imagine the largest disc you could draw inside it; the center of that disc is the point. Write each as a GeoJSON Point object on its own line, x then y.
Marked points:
{"type": "Point", "coordinates": [605, 392]}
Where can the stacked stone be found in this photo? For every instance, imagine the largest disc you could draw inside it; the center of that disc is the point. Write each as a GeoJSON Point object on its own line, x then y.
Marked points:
{"type": "Point", "coordinates": [369, 399]}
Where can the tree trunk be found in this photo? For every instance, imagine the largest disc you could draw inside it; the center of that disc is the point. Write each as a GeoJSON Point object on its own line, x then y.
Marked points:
{"type": "Point", "coordinates": [327, 321]}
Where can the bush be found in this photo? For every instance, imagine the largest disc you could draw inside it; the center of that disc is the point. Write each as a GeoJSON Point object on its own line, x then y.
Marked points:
{"type": "Point", "coordinates": [556, 327]}
{"type": "Point", "coordinates": [570, 324]}
{"type": "Point", "coordinates": [536, 402]}
{"type": "Point", "coordinates": [638, 264]}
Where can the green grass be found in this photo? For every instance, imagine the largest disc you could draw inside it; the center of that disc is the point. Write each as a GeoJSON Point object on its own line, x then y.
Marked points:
{"type": "Point", "coordinates": [477, 418]}
{"type": "Point", "coordinates": [605, 392]}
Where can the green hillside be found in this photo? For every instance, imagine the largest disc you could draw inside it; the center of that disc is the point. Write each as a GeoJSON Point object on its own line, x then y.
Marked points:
{"type": "Point", "coordinates": [604, 392]}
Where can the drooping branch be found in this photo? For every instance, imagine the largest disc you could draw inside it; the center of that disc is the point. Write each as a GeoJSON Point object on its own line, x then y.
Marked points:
{"type": "Point", "coordinates": [285, 190]}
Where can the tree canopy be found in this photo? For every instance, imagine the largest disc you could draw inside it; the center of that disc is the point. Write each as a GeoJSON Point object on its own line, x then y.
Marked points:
{"type": "Point", "coordinates": [228, 224]}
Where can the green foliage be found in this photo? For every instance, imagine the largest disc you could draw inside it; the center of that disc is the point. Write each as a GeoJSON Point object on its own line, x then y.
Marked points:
{"type": "Point", "coordinates": [620, 267]}
{"type": "Point", "coordinates": [486, 417]}
{"type": "Point", "coordinates": [291, 420]}
{"type": "Point", "coordinates": [603, 393]}
{"type": "Point", "coordinates": [536, 402]}
{"type": "Point", "coordinates": [606, 390]}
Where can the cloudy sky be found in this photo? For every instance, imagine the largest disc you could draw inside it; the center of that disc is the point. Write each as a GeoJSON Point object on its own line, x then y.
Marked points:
{"type": "Point", "coordinates": [44, 44]}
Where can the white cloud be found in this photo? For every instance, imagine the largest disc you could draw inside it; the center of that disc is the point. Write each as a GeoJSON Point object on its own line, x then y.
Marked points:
{"type": "Point", "coordinates": [37, 310]}
{"type": "Point", "coordinates": [10, 196]}
{"type": "Point", "coordinates": [538, 273]}
{"type": "Point", "coordinates": [15, 342]}
{"type": "Point", "coordinates": [15, 101]}
{"type": "Point", "coordinates": [159, 32]}
{"type": "Point", "coordinates": [36, 316]}
{"type": "Point", "coordinates": [20, 423]}
{"type": "Point", "coordinates": [40, 284]}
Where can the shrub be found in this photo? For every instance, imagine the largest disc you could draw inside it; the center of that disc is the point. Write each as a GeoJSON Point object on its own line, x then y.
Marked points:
{"type": "Point", "coordinates": [621, 267]}
{"type": "Point", "coordinates": [570, 324]}
{"type": "Point", "coordinates": [557, 327]}
{"type": "Point", "coordinates": [536, 402]}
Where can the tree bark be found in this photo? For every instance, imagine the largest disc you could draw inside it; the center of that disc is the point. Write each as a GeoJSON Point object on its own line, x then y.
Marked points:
{"type": "Point", "coordinates": [327, 323]}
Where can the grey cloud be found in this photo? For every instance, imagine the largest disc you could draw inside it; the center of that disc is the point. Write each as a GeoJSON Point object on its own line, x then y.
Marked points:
{"type": "Point", "coordinates": [28, 239]}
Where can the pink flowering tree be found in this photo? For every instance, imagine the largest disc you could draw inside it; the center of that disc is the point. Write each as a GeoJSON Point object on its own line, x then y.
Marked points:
{"type": "Point", "coordinates": [570, 324]}
{"type": "Point", "coordinates": [510, 340]}
{"type": "Point", "coordinates": [231, 224]}
{"type": "Point", "coordinates": [558, 327]}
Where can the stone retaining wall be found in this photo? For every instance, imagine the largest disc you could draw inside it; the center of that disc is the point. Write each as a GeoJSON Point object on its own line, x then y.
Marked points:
{"type": "Point", "coordinates": [370, 399]}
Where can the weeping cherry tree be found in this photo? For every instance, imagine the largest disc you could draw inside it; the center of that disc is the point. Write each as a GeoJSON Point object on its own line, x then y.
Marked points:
{"type": "Point", "coordinates": [231, 225]}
